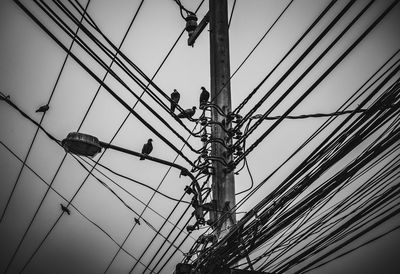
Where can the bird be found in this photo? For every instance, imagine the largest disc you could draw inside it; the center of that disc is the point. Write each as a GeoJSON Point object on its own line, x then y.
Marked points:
{"type": "Point", "coordinates": [187, 113]}
{"type": "Point", "coordinates": [204, 96]}
{"type": "Point", "coordinates": [147, 148]}
{"type": "Point", "coordinates": [175, 96]}
{"type": "Point", "coordinates": [43, 108]}
{"type": "Point", "coordinates": [65, 209]}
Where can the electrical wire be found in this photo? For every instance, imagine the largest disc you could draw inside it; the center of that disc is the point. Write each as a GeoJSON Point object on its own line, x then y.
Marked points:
{"type": "Point", "coordinates": [232, 10]}
{"type": "Point", "coordinates": [314, 23]}
{"type": "Point", "coordinates": [99, 180]}
{"type": "Point", "coordinates": [65, 199]}
{"type": "Point", "coordinates": [320, 115]}
{"type": "Point", "coordinates": [358, 91]}
{"type": "Point", "coordinates": [57, 220]}
{"type": "Point", "coordinates": [43, 115]}
{"type": "Point", "coordinates": [252, 51]}
{"type": "Point", "coordinates": [323, 33]}
{"type": "Point", "coordinates": [320, 79]}
{"type": "Point", "coordinates": [57, 19]}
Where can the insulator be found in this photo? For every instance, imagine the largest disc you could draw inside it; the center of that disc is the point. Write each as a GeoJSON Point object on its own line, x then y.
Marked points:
{"type": "Point", "coordinates": [191, 23]}
{"type": "Point", "coordinates": [203, 122]}
{"type": "Point", "coordinates": [230, 133]}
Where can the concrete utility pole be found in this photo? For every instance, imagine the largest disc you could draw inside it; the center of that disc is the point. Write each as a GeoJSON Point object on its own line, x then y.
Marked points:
{"type": "Point", "coordinates": [223, 183]}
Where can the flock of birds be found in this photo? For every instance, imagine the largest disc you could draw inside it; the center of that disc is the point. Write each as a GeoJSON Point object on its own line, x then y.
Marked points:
{"type": "Point", "coordinates": [175, 97]}
{"type": "Point", "coordinates": [187, 113]}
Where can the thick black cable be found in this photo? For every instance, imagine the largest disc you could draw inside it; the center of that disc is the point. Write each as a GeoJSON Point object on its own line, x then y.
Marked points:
{"type": "Point", "coordinates": [251, 52]}
{"type": "Point", "coordinates": [152, 78]}
{"type": "Point", "coordinates": [368, 80]}
{"type": "Point", "coordinates": [160, 66]}
{"type": "Point", "coordinates": [58, 21]}
{"type": "Point", "coordinates": [65, 199]}
{"type": "Point", "coordinates": [305, 73]}
{"type": "Point", "coordinates": [105, 86]}
{"type": "Point", "coordinates": [43, 115]}
{"type": "Point", "coordinates": [129, 73]}
{"type": "Point", "coordinates": [50, 185]}
{"type": "Point", "coordinates": [354, 249]}
{"type": "Point", "coordinates": [323, 76]}
{"type": "Point", "coordinates": [23, 7]}
{"type": "Point", "coordinates": [232, 10]}
{"type": "Point", "coordinates": [314, 23]}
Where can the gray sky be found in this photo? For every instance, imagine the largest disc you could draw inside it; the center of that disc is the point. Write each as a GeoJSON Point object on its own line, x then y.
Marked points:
{"type": "Point", "coordinates": [30, 62]}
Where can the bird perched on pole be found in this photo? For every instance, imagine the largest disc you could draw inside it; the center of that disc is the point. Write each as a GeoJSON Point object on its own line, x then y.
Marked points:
{"type": "Point", "coordinates": [187, 113]}
{"type": "Point", "coordinates": [204, 96]}
{"type": "Point", "coordinates": [147, 148]}
{"type": "Point", "coordinates": [175, 96]}
{"type": "Point", "coordinates": [43, 108]}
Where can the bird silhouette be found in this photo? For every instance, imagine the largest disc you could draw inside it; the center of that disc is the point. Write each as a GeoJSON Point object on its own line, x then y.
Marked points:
{"type": "Point", "coordinates": [65, 209]}
{"type": "Point", "coordinates": [43, 108]}
{"type": "Point", "coordinates": [204, 96]}
{"type": "Point", "coordinates": [147, 148]}
{"type": "Point", "coordinates": [175, 96]}
{"type": "Point", "coordinates": [187, 113]}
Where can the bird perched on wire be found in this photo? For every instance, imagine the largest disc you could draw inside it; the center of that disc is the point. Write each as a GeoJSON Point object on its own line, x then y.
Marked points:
{"type": "Point", "coordinates": [147, 148]}
{"type": "Point", "coordinates": [137, 221]}
{"type": "Point", "coordinates": [65, 209]}
{"type": "Point", "coordinates": [187, 113]}
{"type": "Point", "coordinates": [43, 108]}
{"type": "Point", "coordinates": [204, 96]}
{"type": "Point", "coordinates": [175, 96]}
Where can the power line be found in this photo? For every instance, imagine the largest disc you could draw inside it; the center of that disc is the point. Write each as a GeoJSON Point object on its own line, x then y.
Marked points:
{"type": "Point", "coordinates": [321, 115]}
{"type": "Point", "coordinates": [56, 19]}
{"type": "Point", "coordinates": [69, 203]}
{"type": "Point", "coordinates": [232, 10]}
{"type": "Point", "coordinates": [350, 101]}
{"type": "Point", "coordinates": [314, 23]}
{"type": "Point", "coordinates": [43, 115]}
{"type": "Point", "coordinates": [323, 33]}
{"type": "Point", "coordinates": [254, 48]}
{"type": "Point", "coordinates": [321, 78]}
{"type": "Point", "coordinates": [65, 199]}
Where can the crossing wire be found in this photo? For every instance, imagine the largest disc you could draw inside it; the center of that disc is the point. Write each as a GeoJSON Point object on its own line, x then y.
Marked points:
{"type": "Point", "coordinates": [152, 78]}
{"type": "Point", "coordinates": [350, 101]}
{"type": "Point", "coordinates": [43, 115]}
{"type": "Point", "coordinates": [65, 199]}
{"type": "Point", "coordinates": [251, 52]}
{"type": "Point", "coordinates": [298, 61]}
{"type": "Point", "coordinates": [23, 7]}
{"type": "Point", "coordinates": [314, 23]}
{"type": "Point", "coordinates": [81, 185]}
{"type": "Point", "coordinates": [320, 79]}
{"type": "Point", "coordinates": [48, 11]}
{"type": "Point", "coordinates": [129, 73]}
{"type": "Point", "coordinates": [99, 180]}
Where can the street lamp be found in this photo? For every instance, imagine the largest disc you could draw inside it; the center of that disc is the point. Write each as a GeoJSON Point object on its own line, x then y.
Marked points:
{"type": "Point", "coordinates": [88, 145]}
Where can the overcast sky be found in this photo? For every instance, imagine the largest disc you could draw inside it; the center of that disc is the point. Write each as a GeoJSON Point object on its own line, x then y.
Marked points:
{"type": "Point", "coordinates": [30, 62]}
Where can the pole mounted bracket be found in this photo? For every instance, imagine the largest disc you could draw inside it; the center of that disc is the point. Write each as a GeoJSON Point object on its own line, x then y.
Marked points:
{"type": "Point", "coordinates": [196, 33]}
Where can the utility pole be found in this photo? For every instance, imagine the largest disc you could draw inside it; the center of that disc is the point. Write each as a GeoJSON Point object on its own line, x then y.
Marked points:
{"type": "Point", "coordinates": [223, 181]}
